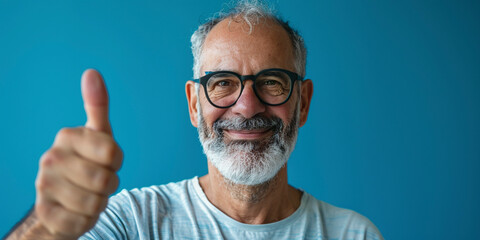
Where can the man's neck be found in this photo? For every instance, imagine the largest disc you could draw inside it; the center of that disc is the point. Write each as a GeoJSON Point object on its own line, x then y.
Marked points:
{"type": "Point", "coordinates": [260, 204]}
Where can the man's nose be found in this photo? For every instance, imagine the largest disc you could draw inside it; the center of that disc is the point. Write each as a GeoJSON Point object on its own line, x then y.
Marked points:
{"type": "Point", "coordinates": [248, 104]}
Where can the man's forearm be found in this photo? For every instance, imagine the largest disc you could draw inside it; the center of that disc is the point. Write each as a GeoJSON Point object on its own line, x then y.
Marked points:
{"type": "Point", "coordinates": [29, 228]}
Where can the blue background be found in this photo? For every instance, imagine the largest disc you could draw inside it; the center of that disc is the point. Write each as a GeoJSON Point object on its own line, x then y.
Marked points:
{"type": "Point", "coordinates": [393, 130]}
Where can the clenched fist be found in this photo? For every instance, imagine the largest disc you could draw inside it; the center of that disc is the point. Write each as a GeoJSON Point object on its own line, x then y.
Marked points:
{"type": "Point", "coordinates": [78, 173]}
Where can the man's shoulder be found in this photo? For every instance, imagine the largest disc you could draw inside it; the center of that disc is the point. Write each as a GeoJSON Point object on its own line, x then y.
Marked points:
{"type": "Point", "coordinates": [159, 195]}
{"type": "Point", "coordinates": [162, 191]}
{"type": "Point", "coordinates": [340, 220]}
{"type": "Point", "coordinates": [332, 212]}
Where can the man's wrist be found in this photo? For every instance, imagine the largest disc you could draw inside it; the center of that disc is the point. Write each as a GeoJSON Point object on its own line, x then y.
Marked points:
{"type": "Point", "coordinates": [29, 228]}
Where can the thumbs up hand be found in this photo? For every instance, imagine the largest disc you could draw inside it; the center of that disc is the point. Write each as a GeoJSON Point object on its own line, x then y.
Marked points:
{"type": "Point", "coordinates": [78, 173]}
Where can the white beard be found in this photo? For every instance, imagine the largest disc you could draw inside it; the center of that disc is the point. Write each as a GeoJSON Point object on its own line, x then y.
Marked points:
{"type": "Point", "coordinates": [248, 162]}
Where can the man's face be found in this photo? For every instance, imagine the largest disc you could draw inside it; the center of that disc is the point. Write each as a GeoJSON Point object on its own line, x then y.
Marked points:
{"type": "Point", "coordinates": [248, 142]}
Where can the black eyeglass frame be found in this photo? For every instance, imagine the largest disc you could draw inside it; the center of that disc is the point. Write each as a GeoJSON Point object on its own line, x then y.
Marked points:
{"type": "Point", "coordinates": [293, 77]}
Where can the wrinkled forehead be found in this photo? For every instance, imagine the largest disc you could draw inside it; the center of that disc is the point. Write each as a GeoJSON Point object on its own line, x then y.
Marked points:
{"type": "Point", "coordinates": [234, 43]}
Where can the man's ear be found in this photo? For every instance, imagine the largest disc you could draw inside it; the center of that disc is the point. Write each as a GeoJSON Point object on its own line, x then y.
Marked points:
{"type": "Point", "coordinates": [192, 99]}
{"type": "Point", "coordinates": [306, 97]}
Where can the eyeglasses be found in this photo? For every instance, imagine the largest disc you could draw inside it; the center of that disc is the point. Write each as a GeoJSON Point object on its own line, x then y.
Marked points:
{"type": "Point", "coordinates": [272, 86]}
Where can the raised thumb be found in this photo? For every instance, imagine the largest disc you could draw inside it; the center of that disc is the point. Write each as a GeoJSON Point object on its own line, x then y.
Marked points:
{"type": "Point", "coordinates": [95, 100]}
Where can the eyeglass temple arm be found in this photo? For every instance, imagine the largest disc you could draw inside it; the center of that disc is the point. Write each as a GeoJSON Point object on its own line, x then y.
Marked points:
{"type": "Point", "coordinates": [198, 79]}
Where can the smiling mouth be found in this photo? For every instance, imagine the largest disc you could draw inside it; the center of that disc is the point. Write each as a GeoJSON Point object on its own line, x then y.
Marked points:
{"type": "Point", "coordinates": [254, 134]}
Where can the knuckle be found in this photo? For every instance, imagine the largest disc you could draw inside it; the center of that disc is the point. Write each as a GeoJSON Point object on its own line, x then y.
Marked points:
{"type": "Point", "coordinates": [45, 161]}
{"type": "Point", "coordinates": [64, 133]}
{"type": "Point", "coordinates": [102, 180]}
{"type": "Point", "coordinates": [50, 157]}
{"type": "Point", "coordinates": [115, 184]}
{"type": "Point", "coordinates": [112, 184]}
{"type": "Point", "coordinates": [109, 150]}
{"type": "Point", "coordinates": [41, 183]}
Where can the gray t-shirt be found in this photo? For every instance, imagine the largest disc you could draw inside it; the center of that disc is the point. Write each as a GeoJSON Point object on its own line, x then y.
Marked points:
{"type": "Point", "coordinates": [182, 211]}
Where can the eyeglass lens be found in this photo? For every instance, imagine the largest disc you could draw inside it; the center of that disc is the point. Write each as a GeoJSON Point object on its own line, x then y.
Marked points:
{"type": "Point", "coordinates": [272, 87]}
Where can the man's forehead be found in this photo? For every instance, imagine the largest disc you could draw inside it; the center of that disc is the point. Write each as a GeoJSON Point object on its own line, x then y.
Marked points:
{"type": "Point", "coordinates": [239, 28]}
{"type": "Point", "coordinates": [233, 39]}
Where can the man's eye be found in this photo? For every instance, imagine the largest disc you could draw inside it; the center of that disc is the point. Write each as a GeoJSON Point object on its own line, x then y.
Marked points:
{"type": "Point", "coordinates": [223, 83]}
{"type": "Point", "coordinates": [271, 82]}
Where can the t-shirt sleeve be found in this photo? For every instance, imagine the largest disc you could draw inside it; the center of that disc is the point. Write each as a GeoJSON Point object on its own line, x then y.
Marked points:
{"type": "Point", "coordinates": [343, 223]}
{"type": "Point", "coordinates": [365, 227]}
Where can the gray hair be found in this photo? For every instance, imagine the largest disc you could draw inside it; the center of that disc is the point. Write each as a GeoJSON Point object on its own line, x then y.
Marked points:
{"type": "Point", "coordinates": [252, 11]}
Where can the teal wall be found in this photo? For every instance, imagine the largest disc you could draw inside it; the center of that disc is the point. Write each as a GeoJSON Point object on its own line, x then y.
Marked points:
{"type": "Point", "coordinates": [393, 131]}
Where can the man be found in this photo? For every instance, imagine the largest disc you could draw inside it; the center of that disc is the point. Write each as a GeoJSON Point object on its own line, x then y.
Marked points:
{"type": "Point", "coordinates": [248, 101]}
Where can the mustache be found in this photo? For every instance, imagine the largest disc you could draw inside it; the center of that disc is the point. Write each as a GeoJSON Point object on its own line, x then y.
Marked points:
{"type": "Point", "coordinates": [241, 123]}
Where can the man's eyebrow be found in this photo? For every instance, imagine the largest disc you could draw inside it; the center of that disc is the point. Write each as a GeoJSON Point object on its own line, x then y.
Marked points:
{"type": "Point", "coordinates": [218, 70]}
{"type": "Point", "coordinates": [220, 75]}
{"type": "Point", "coordinates": [275, 74]}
